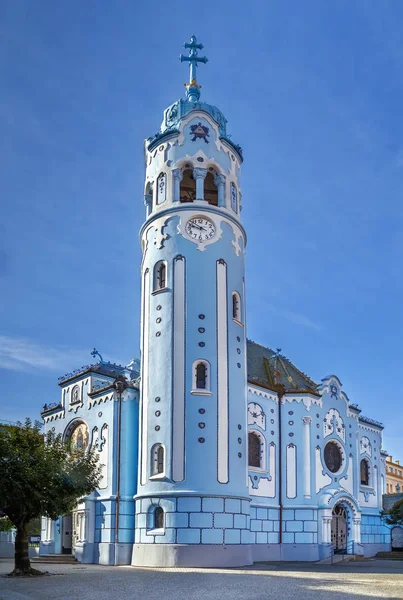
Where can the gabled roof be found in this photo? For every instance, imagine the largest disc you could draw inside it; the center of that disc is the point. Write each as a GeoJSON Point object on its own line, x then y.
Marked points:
{"type": "Point", "coordinates": [275, 372]}
{"type": "Point", "coordinates": [102, 368]}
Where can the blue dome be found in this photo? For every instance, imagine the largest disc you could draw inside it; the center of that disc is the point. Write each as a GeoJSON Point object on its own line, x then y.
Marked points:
{"type": "Point", "coordinates": [179, 109]}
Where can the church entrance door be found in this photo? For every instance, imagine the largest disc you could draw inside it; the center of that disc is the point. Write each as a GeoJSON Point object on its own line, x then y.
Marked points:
{"type": "Point", "coordinates": [67, 534]}
{"type": "Point", "coordinates": [339, 529]}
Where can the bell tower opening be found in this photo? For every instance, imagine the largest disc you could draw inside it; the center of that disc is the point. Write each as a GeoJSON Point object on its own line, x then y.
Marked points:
{"type": "Point", "coordinates": [210, 189]}
{"type": "Point", "coordinates": [188, 186]}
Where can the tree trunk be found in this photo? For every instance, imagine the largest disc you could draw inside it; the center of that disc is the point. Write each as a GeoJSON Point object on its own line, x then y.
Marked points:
{"type": "Point", "coordinates": [21, 557]}
{"type": "Point", "coordinates": [22, 564]}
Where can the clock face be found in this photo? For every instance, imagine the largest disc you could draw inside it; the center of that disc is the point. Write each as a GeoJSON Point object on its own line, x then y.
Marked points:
{"type": "Point", "coordinates": [200, 229]}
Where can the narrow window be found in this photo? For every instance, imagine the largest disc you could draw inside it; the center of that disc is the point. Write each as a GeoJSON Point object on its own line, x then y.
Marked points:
{"type": "Point", "coordinates": [234, 198]}
{"type": "Point", "coordinates": [160, 276]}
{"type": "Point", "coordinates": [254, 450]}
{"type": "Point", "coordinates": [188, 186]}
{"type": "Point", "coordinates": [201, 376]}
{"type": "Point", "coordinates": [160, 460]}
{"type": "Point", "coordinates": [364, 472]}
{"type": "Point", "coordinates": [158, 518]}
{"type": "Point", "coordinates": [236, 307]}
{"type": "Point", "coordinates": [210, 190]}
{"type": "Point", "coordinates": [161, 188]}
{"type": "Point", "coordinates": [157, 459]}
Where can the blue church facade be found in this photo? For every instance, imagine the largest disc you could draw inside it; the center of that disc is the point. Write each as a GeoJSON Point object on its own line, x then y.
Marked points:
{"type": "Point", "coordinates": [216, 451]}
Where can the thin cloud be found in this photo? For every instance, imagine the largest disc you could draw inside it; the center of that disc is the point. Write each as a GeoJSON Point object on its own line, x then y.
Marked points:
{"type": "Point", "coordinates": [294, 317]}
{"type": "Point", "coordinates": [18, 354]}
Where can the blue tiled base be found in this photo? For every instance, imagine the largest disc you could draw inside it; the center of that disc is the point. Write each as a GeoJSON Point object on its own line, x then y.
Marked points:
{"type": "Point", "coordinates": [300, 552]}
{"type": "Point", "coordinates": [104, 553]}
{"type": "Point", "coordinates": [263, 552]}
{"type": "Point", "coordinates": [85, 553]}
{"type": "Point", "coordinates": [372, 549]}
{"type": "Point", "coordinates": [291, 552]}
{"type": "Point", "coordinates": [202, 555]}
{"type": "Point", "coordinates": [124, 554]}
{"type": "Point", "coordinates": [111, 554]}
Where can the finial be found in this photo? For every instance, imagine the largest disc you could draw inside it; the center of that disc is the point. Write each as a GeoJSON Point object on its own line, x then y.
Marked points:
{"type": "Point", "coordinates": [278, 350]}
{"type": "Point", "coordinates": [95, 353]}
{"type": "Point", "coordinates": [193, 89]}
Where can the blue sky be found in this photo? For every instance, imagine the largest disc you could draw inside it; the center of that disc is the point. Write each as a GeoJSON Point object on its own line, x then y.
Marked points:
{"type": "Point", "coordinates": [312, 91]}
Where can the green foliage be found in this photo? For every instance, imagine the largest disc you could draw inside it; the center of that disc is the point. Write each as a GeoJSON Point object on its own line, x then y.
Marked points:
{"type": "Point", "coordinates": [34, 527]}
{"type": "Point", "coordinates": [395, 516]}
{"type": "Point", "coordinates": [5, 525]}
{"type": "Point", "coordinates": [41, 475]}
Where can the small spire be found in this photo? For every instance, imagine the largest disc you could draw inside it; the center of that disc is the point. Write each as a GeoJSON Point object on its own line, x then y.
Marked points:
{"type": "Point", "coordinates": [193, 89]}
{"type": "Point", "coordinates": [95, 353]}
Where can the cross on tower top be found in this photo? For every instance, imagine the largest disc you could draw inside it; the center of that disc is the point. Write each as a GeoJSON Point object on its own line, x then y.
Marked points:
{"type": "Point", "coordinates": [193, 88]}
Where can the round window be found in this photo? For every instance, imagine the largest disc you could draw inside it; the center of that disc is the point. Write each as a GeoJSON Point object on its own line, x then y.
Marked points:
{"type": "Point", "coordinates": [333, 457]}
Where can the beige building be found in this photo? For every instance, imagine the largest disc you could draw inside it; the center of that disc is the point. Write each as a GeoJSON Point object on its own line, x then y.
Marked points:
{"type": "Point", "coordinates": [394, 476]}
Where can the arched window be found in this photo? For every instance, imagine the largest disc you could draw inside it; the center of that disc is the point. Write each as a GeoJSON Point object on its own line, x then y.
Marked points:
{"type": "Point", "coordinates": [254, 450]}
{"type": "Point", "coordinates": [210, 189]}
{"type": "Point", "coordinates": [236, 307]}
{"type": "Point", "coordinates": [188, 186]}
{"type": "Point", "coordinates": [201, 377]}
{"type": "Point", "coordinates": [158, 518]}
{"type": "Point", "coordinates": [157, 460]}
{"type": "Point", "coordinates": [364, 471]}
{"type": "Point", "coordinates": [160, 276]}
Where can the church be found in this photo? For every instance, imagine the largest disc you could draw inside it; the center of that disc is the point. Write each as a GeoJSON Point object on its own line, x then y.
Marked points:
{"type": "Point", "coordinates": [215, 451]}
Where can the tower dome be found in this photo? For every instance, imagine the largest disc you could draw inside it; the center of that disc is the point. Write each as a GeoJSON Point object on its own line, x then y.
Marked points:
{"type": "Point", "coordinates": [179, 109]}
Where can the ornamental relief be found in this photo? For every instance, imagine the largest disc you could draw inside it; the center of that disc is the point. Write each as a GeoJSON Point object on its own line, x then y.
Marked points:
{"type": "Point", "coordinates": [333, 423]}
{"type": "Point", "coordinates": [365, 446]}
{"type": "Point", "coordinates": [256, 415]}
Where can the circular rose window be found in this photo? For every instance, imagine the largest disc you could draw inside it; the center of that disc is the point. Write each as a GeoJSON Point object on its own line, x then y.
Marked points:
{"type": "Point", "coordinates": [333, 457]}
{"type": "Point", "coordinates": [79, 437]}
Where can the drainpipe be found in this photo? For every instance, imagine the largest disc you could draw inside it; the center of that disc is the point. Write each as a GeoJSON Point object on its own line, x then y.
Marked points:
{"type": "Point", "coordinates": [119, 385]}
{"type": "Point", "coordinates": [280, 394]}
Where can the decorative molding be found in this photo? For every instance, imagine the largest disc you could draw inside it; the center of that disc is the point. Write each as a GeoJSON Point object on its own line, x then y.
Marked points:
{"type": "Point", "coordinates": [307, 400]}
{"type": "Point", "coordinates": [179, 368]}
{"type": "Point", "coordinates": [54, 416]}
{"type": "Point", "coordinates": [291, 471]}
{"type": "Point", "coordinates": [262, 393]}
{"type": "Point", "coordinates": [145, 374]}
{"type": "Point", "coordinates": [307, 456]}
{"type": "Point", "coordinates": [222, 374]}
{"type": "Point", "coordinates": [322, 479]}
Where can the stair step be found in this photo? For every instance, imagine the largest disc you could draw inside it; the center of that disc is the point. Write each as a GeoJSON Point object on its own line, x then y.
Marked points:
{"type": "Point", "coordinates": [390, 555]}
{"type": "Point", "coordinates": [55, 559]}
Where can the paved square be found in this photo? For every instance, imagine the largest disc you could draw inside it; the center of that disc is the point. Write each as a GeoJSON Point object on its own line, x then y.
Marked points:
{"type": "Point", "coordinates": [348, 581]}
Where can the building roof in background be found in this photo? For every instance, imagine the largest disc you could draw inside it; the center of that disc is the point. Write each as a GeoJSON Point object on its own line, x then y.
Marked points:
{"type": "Point", "coordinates": [270, 369]}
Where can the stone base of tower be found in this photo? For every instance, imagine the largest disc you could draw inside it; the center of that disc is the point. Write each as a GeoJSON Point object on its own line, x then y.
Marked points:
{"type": "Point", "coordinates": [203, 555]}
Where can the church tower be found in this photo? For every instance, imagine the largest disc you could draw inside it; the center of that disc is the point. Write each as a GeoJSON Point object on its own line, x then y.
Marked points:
{"type": "Point", "coordinates": [192, 503]}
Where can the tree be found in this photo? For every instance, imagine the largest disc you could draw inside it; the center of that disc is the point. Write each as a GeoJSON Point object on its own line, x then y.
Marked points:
{"type": "Point", "coordinates": [395, 516]}
{"type": "Point", "coordinates": [5, 524]}
{"type": "Point", "coordinates": [40, 475]}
